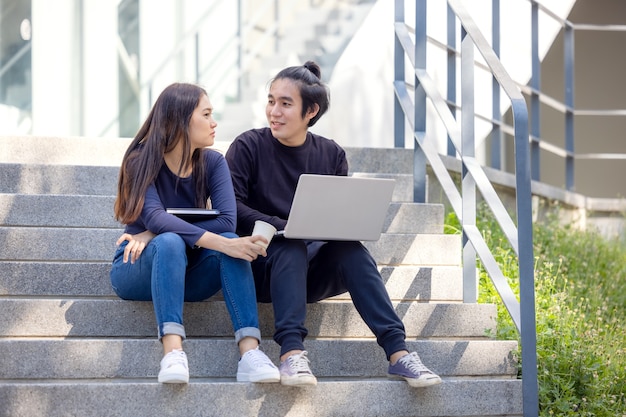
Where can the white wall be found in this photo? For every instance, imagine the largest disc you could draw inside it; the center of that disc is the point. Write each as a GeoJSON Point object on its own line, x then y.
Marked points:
{"type": "Point", "coordinates": [55, 62]}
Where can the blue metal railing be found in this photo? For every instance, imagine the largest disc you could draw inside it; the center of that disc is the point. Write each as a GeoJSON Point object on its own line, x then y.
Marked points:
{"type": "Point", "coordinates": [461, 143]}
{"type": "Point", "coordinates": [538, 98]}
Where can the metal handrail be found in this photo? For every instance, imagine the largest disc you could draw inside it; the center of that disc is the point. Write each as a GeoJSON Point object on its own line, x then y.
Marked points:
{"type": "Point", "coordinates": [16, 57]}
{"type": "Point", "coordinates": [540, 141]}
{"type": "Point", "coordinates": [461, 138]}
{"type": "Point", "coordinates": [237, 69]}
{"type": "Point", "coordinates": [567, 107]}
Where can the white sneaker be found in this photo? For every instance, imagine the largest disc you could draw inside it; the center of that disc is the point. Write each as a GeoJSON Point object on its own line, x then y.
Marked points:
{"type": "Point", "coordinates": [255, 366]}
{"type": "Point", "coordinates": [174, 368]}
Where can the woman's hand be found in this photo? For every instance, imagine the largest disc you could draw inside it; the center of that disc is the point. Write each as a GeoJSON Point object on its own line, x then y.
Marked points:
{"type": "Point", "coordinates": [136, 244]}
{"type": "Point", "coordinates": [245, 248]}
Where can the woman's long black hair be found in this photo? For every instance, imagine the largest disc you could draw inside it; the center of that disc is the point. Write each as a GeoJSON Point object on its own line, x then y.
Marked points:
{"type": "Point", "coordinates": [166, 124]}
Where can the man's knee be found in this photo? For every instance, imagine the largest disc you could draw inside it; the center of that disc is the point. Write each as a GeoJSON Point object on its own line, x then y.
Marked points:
{"type": "Point", "coordinates": [293, 251]}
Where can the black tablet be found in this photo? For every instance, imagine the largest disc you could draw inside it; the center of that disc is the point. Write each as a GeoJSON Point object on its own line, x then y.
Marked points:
{"type": "Point", "coordinates": [192, 215]}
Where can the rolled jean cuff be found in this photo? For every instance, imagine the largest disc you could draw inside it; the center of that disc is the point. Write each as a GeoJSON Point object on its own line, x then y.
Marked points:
{"type": "Point", "coordinates": [247, 332]}
{"type": "Point", "coordinates": [170, 327]}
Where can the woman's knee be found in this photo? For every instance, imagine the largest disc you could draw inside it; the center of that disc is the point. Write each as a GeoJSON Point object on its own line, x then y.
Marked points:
{"type": "Point", "coordinates": [169, 242]}
{"type": "Point", "coordinates": [230, 235]}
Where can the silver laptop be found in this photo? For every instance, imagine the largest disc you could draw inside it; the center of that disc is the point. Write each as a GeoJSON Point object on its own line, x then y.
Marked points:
{"type": "Point", "coordinates": [329, 207]}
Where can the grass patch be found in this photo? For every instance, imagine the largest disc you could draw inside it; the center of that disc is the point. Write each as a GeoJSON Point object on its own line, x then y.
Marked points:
{"type": "Point", "coordinates": [580, 298]}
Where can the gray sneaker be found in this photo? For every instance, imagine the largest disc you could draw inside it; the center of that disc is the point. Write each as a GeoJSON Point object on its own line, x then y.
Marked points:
{"type": "Point", "coordinates": [413, 371]}
{"type": "Point", "coordinates": [295, 371]}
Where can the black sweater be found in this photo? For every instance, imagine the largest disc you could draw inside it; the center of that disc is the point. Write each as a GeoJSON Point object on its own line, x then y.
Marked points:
{"type": "Point", "coordinates": [265, 173]}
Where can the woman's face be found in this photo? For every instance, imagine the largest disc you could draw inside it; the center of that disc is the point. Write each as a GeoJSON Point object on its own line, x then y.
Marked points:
{"type": "Point", "coordinates": [202, 125]}
{"type": "Point", "coordinates": [284, 113]}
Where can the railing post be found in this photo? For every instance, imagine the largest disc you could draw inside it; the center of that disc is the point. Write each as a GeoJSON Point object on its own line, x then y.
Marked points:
{"type": "Point", "coordinates": [398, 70]}
{"type": "Point", "coordinates": [451, 86]}
{"type": "Point", "coordinates": [196, 44]}
{"type": "Point", "coordinates": [568, 45]}
{"type": "Point", "coordinates": [496, 114]}
{"type": "Point", "coordinates": [535, 105]}
{"type": "Point", "coordinates": [240, 47]}
{"type": "Point", "coordinates": [468, 186]}
{"type": "Point", "coordinates": [419, 159]}
{"type": "Point", "coordinates": [528, 330]}
{"type": "Point", "coordinates": [277, 19]}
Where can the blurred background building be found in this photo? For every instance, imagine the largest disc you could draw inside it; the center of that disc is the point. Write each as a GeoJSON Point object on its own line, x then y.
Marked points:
{"type": "Point", "coordinates": [92, 68]}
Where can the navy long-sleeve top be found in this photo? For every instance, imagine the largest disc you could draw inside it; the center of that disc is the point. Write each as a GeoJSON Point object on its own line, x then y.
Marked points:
{"type": "Point", "coordinates": [165, 193]}
{"type": "Point", "coordinates": [265, 173]}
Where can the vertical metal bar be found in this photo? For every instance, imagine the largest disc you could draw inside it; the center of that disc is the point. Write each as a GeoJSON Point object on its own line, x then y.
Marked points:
{"type": "Point", "coordinates": [528, 331]}
{"type": "Point", "coordinates": [80, 47]}
{"type": "Point", "coordinates": [398, 71]}
{"type": "Point", "coordinates": [451, 87]}
{"type": "Point", "coordinates": [568, 44]}
{"type": "Point", "coordinates": [240, 46]}
{"type": "Point", "coordinates": [276, 19]}
{"type": "Point", "coordinates": [496, 131]}
{"type": "Point", "coordinates": [468, 186]}
{"type": "Point", "coordinates": [419, 158]}
{"type": "Point", "coordinates": [535, 105]}
{"type": "Point", "coordinates": [196, 40]}
{"type": "Point", "coordinates": [527, 168]}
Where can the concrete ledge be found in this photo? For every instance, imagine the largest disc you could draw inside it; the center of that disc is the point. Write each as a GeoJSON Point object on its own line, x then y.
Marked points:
{"type": "Point", "coordinates": [58, 179]}
{"type": "Point", "coordinates": [420, 249]}
{"type": "Point", "coordinates": [57, 210]}
{"type": "Point", "coordinates": [81, 279]}
{"type": "Point", "coordinates": [120, 318]}
{"type": "Point", "coordinates": [98, 244]}
{"type": "Point", "coordinates": [132, 358]}
{"type": "Point", "coordinates": [332, 398]}
{"type": "Point", "coordinates": [96, 211]}
{"type": "Point", "coordinates": [62, 150]}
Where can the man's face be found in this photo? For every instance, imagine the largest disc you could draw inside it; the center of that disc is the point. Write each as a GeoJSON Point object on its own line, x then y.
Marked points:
{"type": "Point", "coordinates": [284, 113]}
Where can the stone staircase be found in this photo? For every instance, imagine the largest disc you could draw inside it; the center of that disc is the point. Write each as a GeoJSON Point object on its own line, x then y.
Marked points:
{"type": "Point", "coordinates": [318, 31]}
{"type": "Point", "coordinates": [70, 347]}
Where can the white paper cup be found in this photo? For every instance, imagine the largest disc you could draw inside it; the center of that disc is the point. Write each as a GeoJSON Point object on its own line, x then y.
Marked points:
{"type": "Point", "coordinates": [264, 229]}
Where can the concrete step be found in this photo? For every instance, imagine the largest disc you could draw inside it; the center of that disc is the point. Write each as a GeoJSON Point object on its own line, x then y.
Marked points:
{"type": "Point", "coordinates": [17, 178]}
{"type": "Point", "coordinates": [60, 279]}
{"type": "Point", "coordinates": [416, 249]}
{"type": "Point", "coordinates": [98, 244]}
{"type": "Point", "coordinates": [54, 210]}
{"type": "Point", "coordinates": [108, 152]}
{"type": "Point", "coordinates": [91, 279]}
{"type": "Point", "coordinates": [90, 180]}
{"type": "Point", "coordinates": [57, 210]}
{"type": "Point", "coordinates": [52, 150]}
{"type": "Point", "coordinates": [131, 358]}
{"type": "Point", "coordinates": [97, 317]}
{"type": "Point", "coordinates": [219, 398]}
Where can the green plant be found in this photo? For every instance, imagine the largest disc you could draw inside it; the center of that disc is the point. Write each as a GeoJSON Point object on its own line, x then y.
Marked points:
{"type": "Point", "coordinates": [580, 299]}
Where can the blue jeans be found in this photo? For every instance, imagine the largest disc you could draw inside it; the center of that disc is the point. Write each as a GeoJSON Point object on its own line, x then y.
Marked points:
{"type": "Point", "coordinates": [168, 273]}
